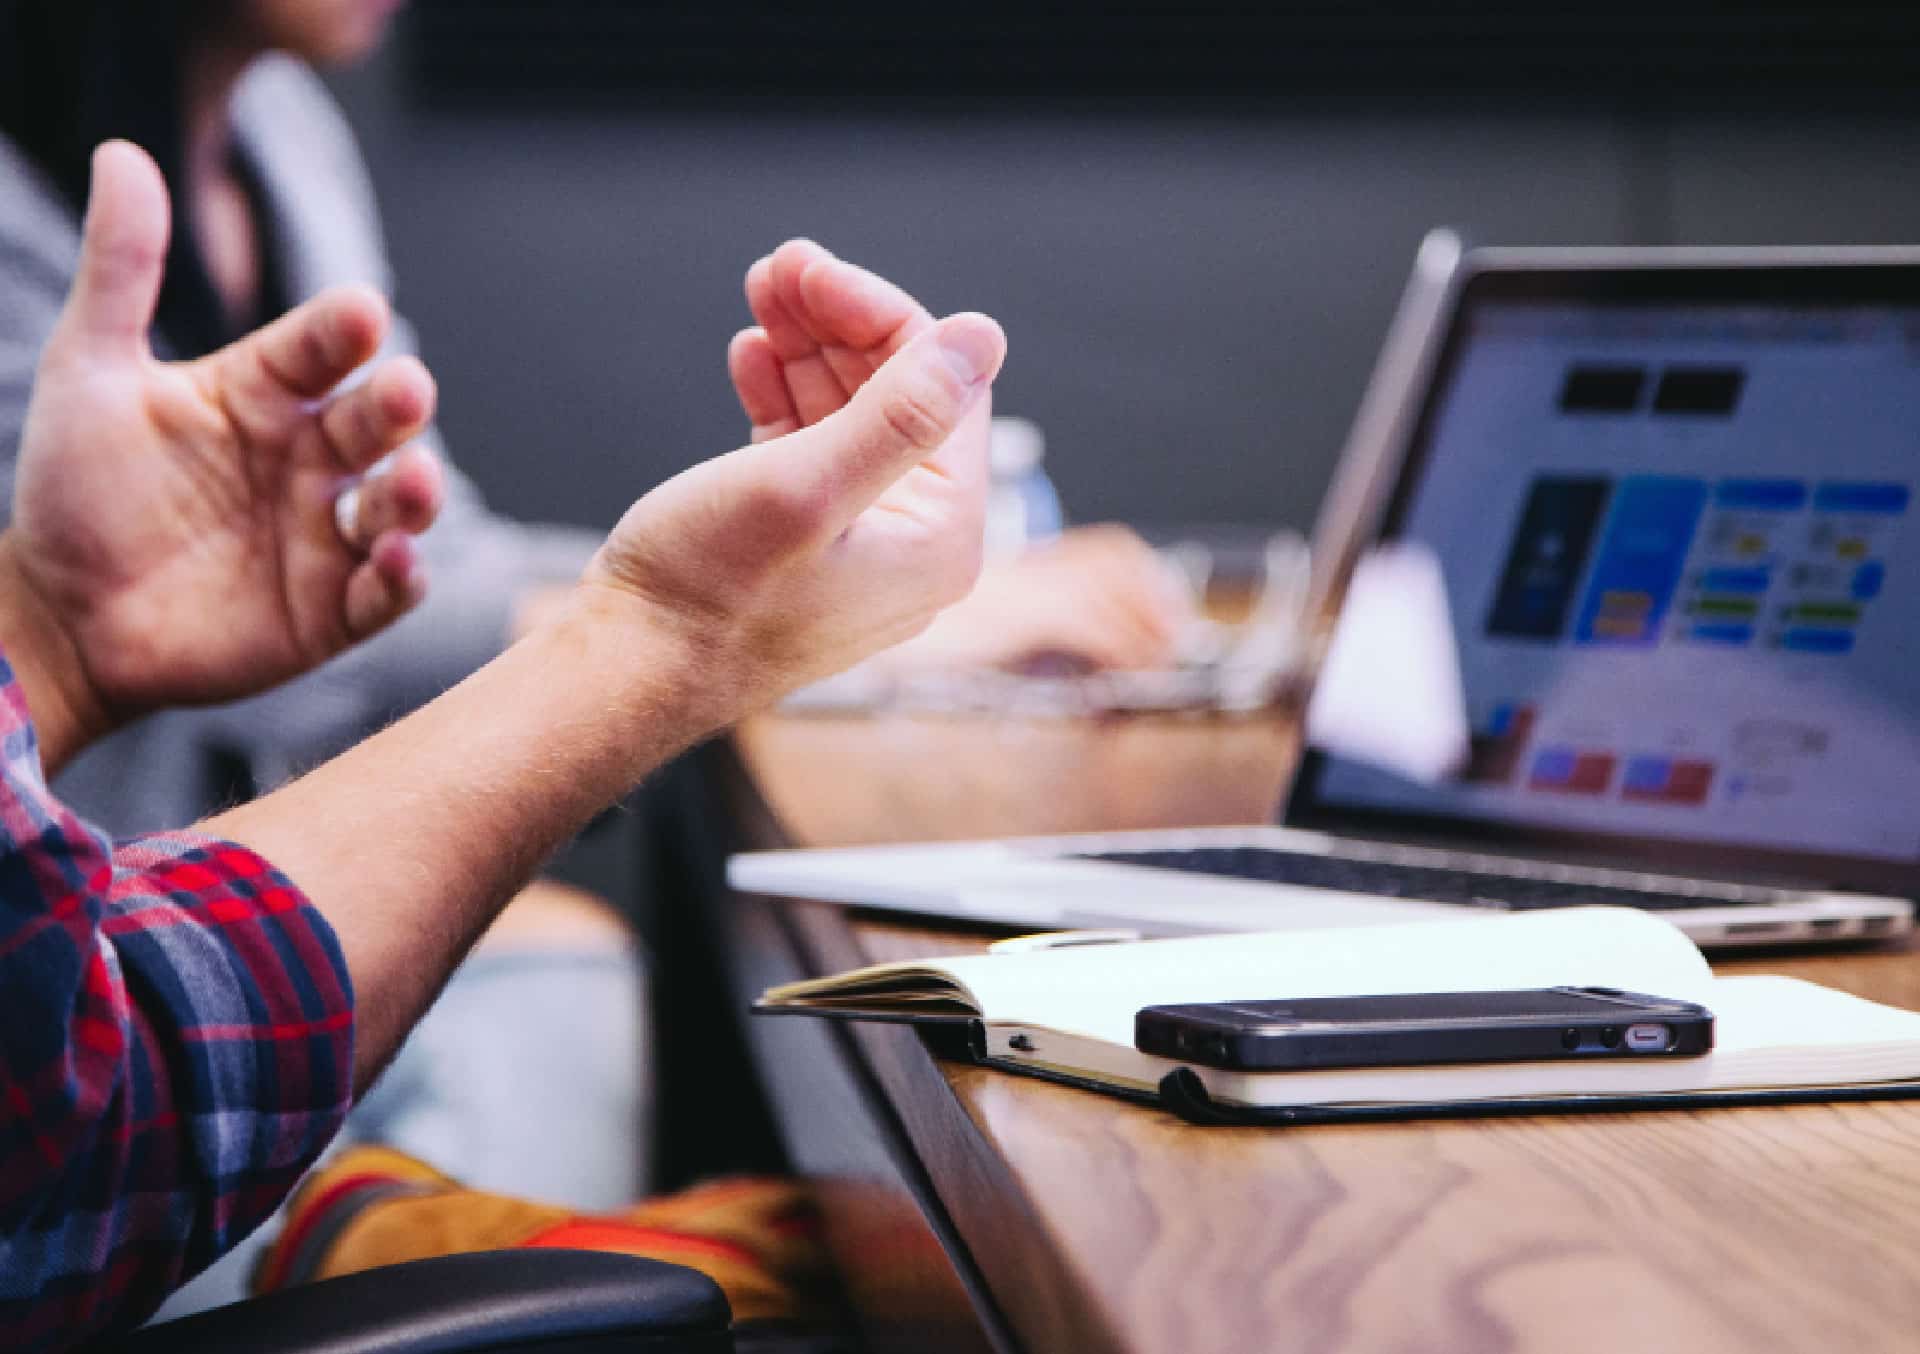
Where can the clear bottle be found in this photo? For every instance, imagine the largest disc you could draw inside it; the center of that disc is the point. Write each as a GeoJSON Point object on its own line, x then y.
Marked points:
{"type": "Point", "coordinates": [1023, 507]}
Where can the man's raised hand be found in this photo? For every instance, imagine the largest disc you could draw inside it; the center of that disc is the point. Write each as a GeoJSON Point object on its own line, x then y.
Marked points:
{"type": "Point", "coordinates": [823, 326]}
{"type": "Point", "coordinates": [803, 553]}
{"type": "Point", "coordinates": [179, 523]}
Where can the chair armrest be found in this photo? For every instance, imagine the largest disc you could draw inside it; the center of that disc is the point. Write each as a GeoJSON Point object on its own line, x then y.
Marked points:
{"type": "Point", "coordinates": [525, 1300]}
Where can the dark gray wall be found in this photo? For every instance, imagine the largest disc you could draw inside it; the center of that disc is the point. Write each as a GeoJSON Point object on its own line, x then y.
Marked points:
{"type": "Point", "coordinates": [1193, 301]}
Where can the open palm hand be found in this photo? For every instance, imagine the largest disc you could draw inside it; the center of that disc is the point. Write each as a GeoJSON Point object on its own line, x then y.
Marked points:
{"type": "Point", "coordinates": [178, 521]}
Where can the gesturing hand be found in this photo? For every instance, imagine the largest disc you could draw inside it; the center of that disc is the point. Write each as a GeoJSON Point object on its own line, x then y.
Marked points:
{"type": "Point", "coordinates": [804, 553]}
{"type": "Point", "coordinates": [823, 327]}
{"type": "Point", "coordinates": [177, 522]}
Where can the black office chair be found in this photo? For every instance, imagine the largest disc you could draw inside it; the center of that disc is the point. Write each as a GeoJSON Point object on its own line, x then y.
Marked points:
{"type": "Point", "coordinates": [522, 1302]}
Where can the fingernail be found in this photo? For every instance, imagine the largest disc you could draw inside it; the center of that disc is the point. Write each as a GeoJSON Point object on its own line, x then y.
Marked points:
{"type": "Point", "coordinates": [346, 514]}
{"type": "Point", "coordinates": [970, 350]}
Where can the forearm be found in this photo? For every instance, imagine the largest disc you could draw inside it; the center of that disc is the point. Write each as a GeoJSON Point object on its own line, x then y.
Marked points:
{"type": "Point", "coordinates": [66, 714]}
{"type": "Point", "coordinates": [412, 841]}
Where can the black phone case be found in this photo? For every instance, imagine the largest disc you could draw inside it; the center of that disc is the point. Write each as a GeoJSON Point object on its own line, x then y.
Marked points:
{"type": "Point", "coordinates": [1351, 1031]}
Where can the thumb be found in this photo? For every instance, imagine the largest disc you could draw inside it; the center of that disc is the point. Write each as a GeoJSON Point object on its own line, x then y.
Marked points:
{"type": "Point", "coordinates": [123, 252]}
{"type": "Point", "coordinates": [900, 417]}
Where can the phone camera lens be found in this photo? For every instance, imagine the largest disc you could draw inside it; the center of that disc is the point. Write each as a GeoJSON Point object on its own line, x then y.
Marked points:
{"type": "Point", "coordinates": [1570, 1039]}
{"type": "Point", "coordinates": [1610, 1037]}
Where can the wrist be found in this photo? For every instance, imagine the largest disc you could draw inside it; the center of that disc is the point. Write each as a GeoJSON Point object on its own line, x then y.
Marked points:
{"type": "Point", "coordinates": [644, 674]}
{"type": "Point", "coordinates": [67, 710]}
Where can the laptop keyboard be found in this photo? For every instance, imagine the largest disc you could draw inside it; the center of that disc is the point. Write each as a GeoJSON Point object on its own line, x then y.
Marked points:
{"type": "Point", "coordinates": [1513, 892]}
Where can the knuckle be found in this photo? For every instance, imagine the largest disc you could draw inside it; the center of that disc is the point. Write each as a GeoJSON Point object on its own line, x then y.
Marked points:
{"type": "Point", "coordinates": [123, 264]}
{"type": "Point", "coordinates": [370, 420]}
{"type": "Point", "coordinates": [314, 351]}
{"type": "Point", "coordinates": [920, 414]}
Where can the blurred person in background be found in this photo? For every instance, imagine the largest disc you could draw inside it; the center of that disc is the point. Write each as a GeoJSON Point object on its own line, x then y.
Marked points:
{"type": "Point", "coordinates": [273, 204]}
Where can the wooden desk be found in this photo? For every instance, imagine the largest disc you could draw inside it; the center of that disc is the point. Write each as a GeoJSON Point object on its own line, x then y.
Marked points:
{"type": "Point", "coordinates": [1052, 1219]}
{"type": "Point", "coordinates": [852, 781]}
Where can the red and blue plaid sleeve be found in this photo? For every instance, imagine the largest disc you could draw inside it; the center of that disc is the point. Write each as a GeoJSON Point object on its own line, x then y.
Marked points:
{"type": "Point", "coordinates": [176, 1047]}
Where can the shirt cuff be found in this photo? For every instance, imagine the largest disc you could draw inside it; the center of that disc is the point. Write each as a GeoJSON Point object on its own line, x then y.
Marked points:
{"type": "Point", "coordinates": [251, 1007]}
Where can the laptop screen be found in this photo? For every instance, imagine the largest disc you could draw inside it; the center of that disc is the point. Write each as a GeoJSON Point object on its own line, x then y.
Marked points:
{"type": "Point", "coordinates": [1674, 518]}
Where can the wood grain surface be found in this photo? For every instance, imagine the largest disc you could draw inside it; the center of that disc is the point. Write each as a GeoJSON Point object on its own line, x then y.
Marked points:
{"type": "Point", "coordinates": [1103, 1226]}
{"type": "Point", "coordinates": [1785, 1228]}
{"type": "Point", "coordinates": [848, 780]}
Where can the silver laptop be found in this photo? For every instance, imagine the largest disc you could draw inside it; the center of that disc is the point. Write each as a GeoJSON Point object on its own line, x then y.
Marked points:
{"type": "Point", "coordinates": [1668, 492]}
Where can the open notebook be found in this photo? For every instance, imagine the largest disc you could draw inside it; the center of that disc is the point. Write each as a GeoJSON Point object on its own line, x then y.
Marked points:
{"type": "Point", "coordinates": [1068, 1014]}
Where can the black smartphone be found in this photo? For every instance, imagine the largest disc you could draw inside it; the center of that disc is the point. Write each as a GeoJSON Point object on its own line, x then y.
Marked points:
{"type": "Point", "coordinates": [1424, 1028]}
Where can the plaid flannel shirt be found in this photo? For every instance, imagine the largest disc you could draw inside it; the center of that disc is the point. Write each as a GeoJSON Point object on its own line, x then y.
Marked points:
{"type": "Point", "coordinates": [176, 1047]}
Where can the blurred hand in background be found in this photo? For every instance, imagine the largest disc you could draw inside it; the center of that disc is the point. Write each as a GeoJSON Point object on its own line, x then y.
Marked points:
{"type": "Point", "coordinates": [1097, 597]}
